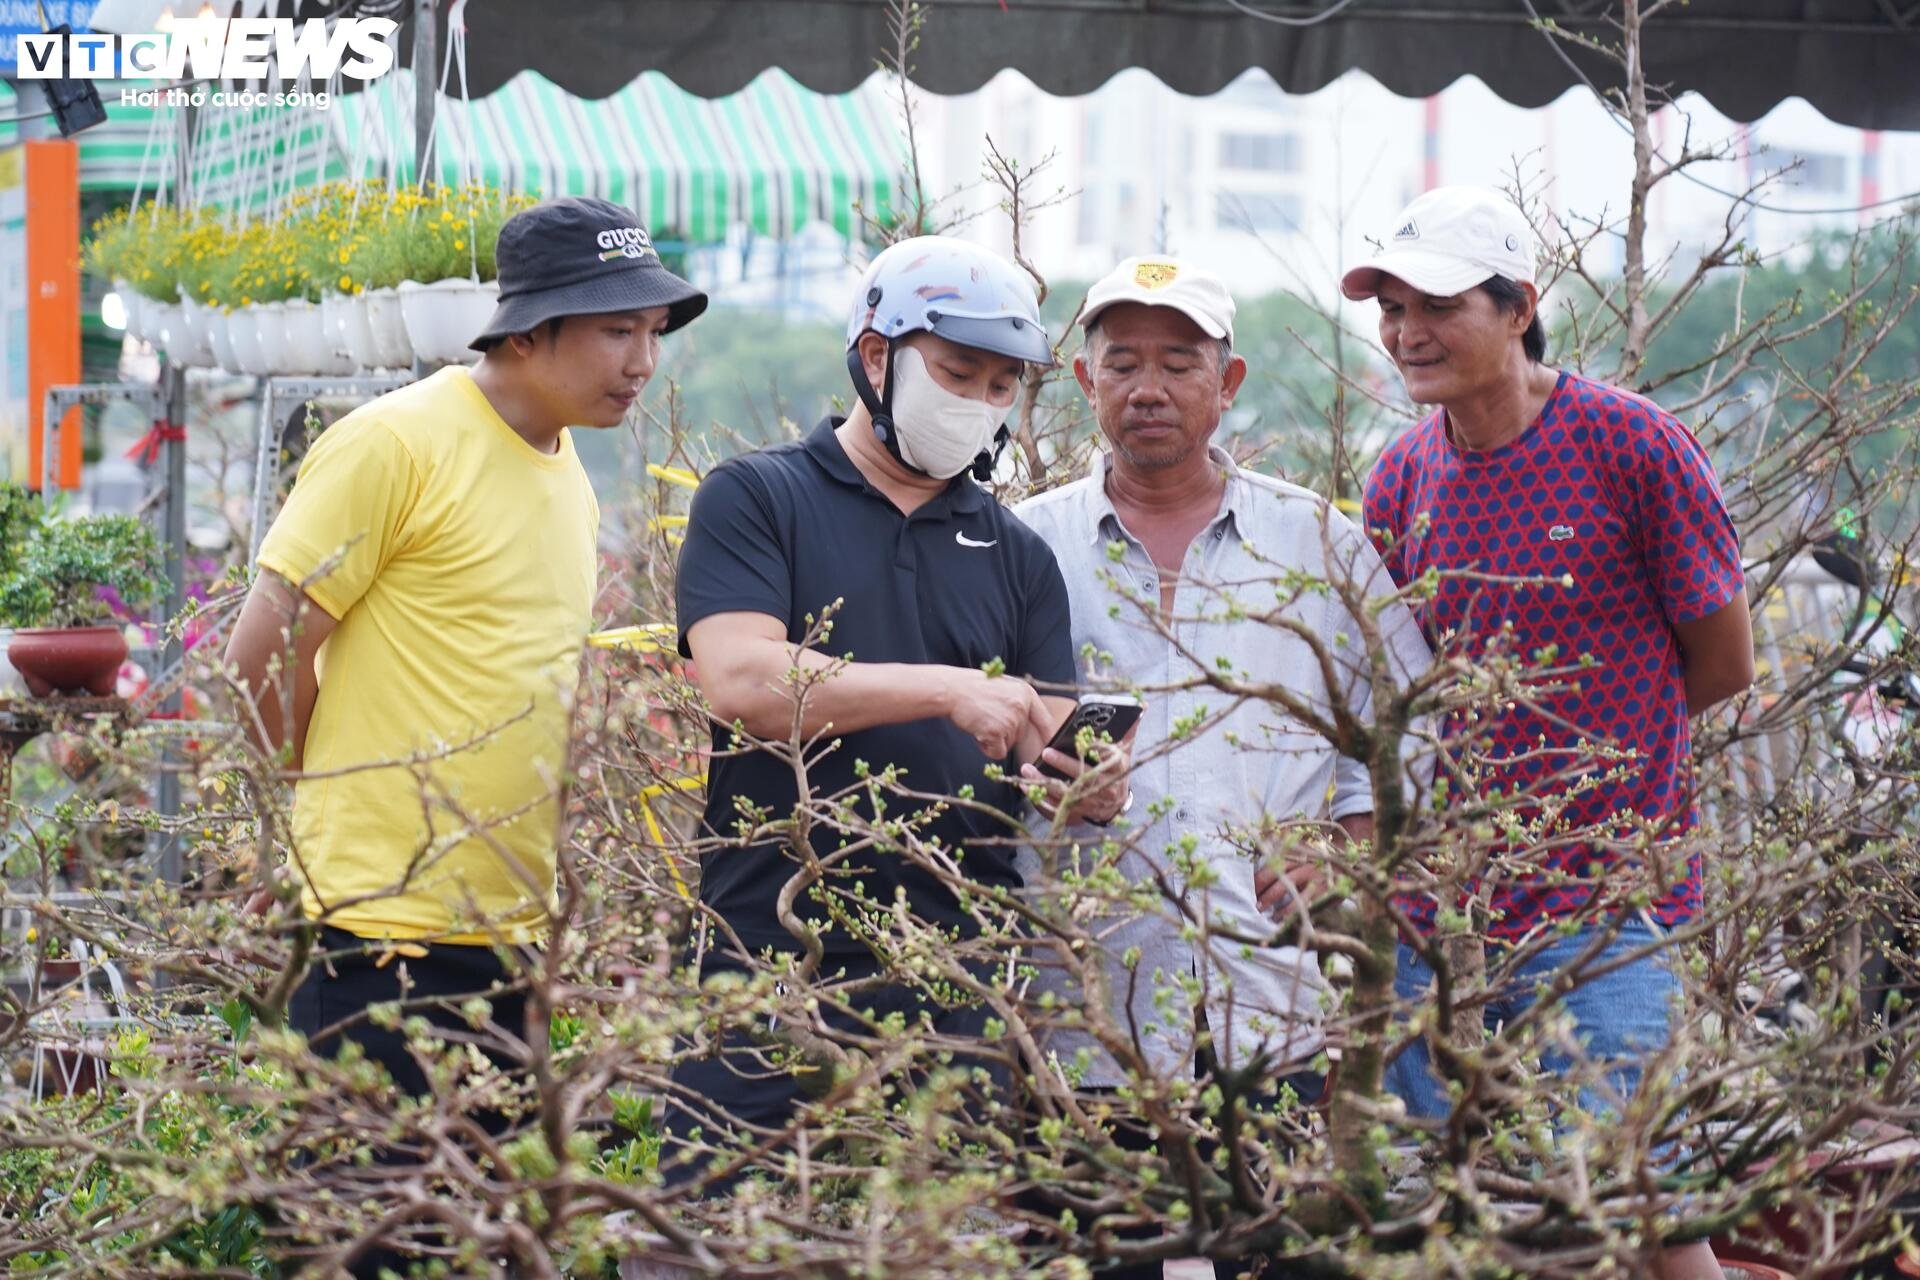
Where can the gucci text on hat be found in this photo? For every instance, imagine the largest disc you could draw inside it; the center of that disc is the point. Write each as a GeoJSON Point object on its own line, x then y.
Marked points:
{"type": "Point", "coordinates": [581, 256]}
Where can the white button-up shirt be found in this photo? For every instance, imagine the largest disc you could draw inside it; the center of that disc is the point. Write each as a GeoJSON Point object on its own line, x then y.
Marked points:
{"type": "Point", "coordinates": [1229, 767]}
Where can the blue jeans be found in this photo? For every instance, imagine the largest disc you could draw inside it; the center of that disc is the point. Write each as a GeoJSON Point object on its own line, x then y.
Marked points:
{"type": "Point", "coordinates": [1619, 1017]}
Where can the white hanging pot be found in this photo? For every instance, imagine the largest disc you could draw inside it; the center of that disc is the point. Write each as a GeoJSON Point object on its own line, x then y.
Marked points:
{"type": "Point", "coordinates": [309, 350]}
{"type": "Point", "coordinates": [340, 318]}
{"type": "Point", "coordinates": [249, 349]}
{"type": "Point", "coordinates": [352, 329]}
{"type": "Point", "coordinates": [220, 338]}
{"type": "Point", "coordinates": [443, 317]}
{"type": "Point", "coordinates": [163, 323]}
{"type": "Point", "coordinates": [139, 315]}
{"type": "Point", "coordinates": [270, 321]}
{"type": "Point", "coordinates": [131, 299]}
{"type": "Point", "coordinates": [190, 341]}
{"type": "Point", "coordinates": [388, 328]}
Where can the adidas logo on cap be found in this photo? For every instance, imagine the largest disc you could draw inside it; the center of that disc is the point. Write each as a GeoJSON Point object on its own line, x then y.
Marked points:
{"type": "Point", "coordinates": [1407, 231]}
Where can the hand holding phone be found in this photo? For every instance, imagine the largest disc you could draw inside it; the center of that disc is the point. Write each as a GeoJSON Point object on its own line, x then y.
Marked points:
{"type": "Point", "coordinates": [1108, 716]}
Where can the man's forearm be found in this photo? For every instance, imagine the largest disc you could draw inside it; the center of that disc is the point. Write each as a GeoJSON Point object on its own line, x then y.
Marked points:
{"type": "Point", "coordinates": [1708, 687]}
{"type": "Point", "coordinates": [855, 696]}
{"type": "Point", "coordinates": [272, 653]}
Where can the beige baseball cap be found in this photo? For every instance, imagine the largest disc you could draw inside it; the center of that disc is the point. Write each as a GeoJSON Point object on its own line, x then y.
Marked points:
{"type": "Point", "coordinates": [1448, 241]}
{"type": "Point", "coordinates": [1198, 294]}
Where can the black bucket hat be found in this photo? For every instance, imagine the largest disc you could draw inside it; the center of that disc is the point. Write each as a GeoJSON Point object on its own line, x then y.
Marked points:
{"type": "Point", "coordinates": [581, 256]}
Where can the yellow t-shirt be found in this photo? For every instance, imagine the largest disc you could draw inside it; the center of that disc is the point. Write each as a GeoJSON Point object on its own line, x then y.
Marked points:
{"type": "Point", "coordinates": [460, 563]}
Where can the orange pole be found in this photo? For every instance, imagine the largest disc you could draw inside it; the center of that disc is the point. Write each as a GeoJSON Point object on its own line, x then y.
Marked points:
{"type": "Point", "coordinates": [53, 298]}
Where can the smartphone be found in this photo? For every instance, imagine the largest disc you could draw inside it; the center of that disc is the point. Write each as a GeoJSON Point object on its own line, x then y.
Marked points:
{"type": "Point", "coordinates": [1109, 715]}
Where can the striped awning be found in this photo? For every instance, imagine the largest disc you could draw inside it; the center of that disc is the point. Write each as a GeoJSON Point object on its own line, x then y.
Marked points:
{"type": "Point", "coordinates": [112, 153]}
{"type": "Point", "coordinates": [774, 156]}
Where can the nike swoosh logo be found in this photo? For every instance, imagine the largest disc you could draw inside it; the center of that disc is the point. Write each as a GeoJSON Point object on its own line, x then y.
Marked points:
{"type": "Point", "coordinates": [965, 541]}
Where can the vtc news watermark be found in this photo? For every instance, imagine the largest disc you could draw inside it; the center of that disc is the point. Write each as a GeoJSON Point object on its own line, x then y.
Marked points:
{"type": "Point", "coordinates": [195, 49]}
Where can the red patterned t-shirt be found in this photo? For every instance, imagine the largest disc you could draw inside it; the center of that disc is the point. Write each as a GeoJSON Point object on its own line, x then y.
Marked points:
{"type": "Point", "coordinates": [1609, 491]}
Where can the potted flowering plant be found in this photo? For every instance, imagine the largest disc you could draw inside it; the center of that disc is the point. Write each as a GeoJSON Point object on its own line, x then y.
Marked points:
{"type": "Point", "coordinates": [452, 285]}
{"type": "Point", "coordinates": [332, 221]}
{"type": "Point", "coordinates": [63, 642]}
{"type": "Point", "coordinates": [371, 260]}
{"type": "Point", "coordinates": [303, 346]}
{"type": "Point", "coordinates": [111, 243]}
{"type": "Point", "coordinates": [151, 255]}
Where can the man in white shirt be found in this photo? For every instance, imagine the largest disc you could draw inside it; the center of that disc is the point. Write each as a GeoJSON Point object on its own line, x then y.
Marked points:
{"type": "Point", "coordinates": [1179, 563]}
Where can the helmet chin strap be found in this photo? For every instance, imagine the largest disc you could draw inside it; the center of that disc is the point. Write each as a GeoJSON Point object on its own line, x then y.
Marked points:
{"type": "Point", "coordinates": [985, 462]}
{"type": "Point", "coordinates": [879, 407]}
{"type": "Point", "coordinates": [880, 410]}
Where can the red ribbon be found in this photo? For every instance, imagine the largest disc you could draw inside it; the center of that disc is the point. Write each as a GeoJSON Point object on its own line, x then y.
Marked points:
{"type": "Point", "coordinates": [147, 448]}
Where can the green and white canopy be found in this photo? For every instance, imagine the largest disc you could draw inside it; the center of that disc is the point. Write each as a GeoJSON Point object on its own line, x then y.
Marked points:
{"type": "Point", "coordinates": [774, 157]}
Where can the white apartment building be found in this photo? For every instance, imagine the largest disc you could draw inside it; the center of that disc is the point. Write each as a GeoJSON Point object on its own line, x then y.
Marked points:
{"type": "Point", "coordinates": [1276, 190]}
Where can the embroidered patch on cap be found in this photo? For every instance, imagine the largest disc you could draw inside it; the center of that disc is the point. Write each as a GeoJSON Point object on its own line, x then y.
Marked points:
{"type": "Point", "coordinates": [624, 242]}
{"type": "Point", "coordinates": [1155, 275]}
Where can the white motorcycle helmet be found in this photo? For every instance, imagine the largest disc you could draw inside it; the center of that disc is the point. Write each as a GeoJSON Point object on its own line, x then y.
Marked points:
{"type": "Point", "coordinates": [953, 288]}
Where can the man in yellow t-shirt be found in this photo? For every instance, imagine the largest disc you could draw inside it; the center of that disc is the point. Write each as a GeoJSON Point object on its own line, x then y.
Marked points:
{"type": "Point", "coordinates": [426, 593]}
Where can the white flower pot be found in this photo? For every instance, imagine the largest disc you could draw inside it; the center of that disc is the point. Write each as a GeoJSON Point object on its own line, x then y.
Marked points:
{"type": "Point", "coordinates": [220, 338]}
{"type": "Point", "coordinates": [190, 341]}
{"type": "Point", "coordinates": [136, 312]}
{"type": "Point", "coordinates": [443, 317]}
{"type": "Point", "coordinates": [163, 322]}
{"type": "Point", "coordinates": [363, 344]}
{"type": "Point", "coordinates": [131, 301]}
{"type": "Point", "coordinates": [309, 349]}
{"type": "Point", "coordinates": [389, 329]}
{"type": "Point", "coordinates": [244, 331]}
{"type": "Point", "coordinates": [270, 319]}
{"type": "Point", "coordinates": [344, 321]}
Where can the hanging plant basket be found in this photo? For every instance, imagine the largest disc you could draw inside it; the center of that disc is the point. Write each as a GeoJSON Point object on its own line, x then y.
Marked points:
{"type": "Point", "coordinates": [220, 338]}
{"type": "Point", "coordinates": [136, 304]}
{"type": "Point", "coordinates": [443, 317]}
{"type": "Point", "coordinates": [190, 337]}
{"type": "Point", "coordinates": [244, 331]}
{"type": "Point", "coordinates": [270, 320]}
{"type": "Point", "coordinates": [162, 324]}
{"type": "Point", "coordinates": [307, 347]}
{"type": "Point", "coordinates": [388, 326]}
{"type": "Point", "coordinates": [343, 319]}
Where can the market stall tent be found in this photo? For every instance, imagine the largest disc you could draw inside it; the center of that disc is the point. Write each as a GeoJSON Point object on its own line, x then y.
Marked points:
{"type": "Point", "coordinates": [773, 157]}
{"type": "Point", "coordinates": [1854, 60]}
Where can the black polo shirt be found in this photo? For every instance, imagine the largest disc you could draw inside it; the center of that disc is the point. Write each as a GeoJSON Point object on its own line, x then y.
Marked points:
{"type": "Point", "coordinates": [788, 530]}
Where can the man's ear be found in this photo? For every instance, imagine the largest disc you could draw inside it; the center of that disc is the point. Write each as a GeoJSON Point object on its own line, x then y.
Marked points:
{"type": "Point", "coordinates": [1231, 379]}
{"type": "Point", "coordinates": [1083, 374]}
{"type": "Point", "coordinates": [873, 358]}
{"type": "Point", "coordinates": [1524, 318]}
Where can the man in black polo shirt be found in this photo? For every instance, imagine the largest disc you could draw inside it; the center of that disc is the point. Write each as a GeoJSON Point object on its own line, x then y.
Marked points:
{"type": "Point", "coordinates": [931, 585]}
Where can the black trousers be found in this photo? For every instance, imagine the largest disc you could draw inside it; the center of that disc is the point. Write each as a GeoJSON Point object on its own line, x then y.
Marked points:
{"type": "Point", "coordinates": [330, 1004]}
{"type": "Point", "coordinates": [735, 1085]}
{"type": "Point", "coordinates": [1309, 1087]}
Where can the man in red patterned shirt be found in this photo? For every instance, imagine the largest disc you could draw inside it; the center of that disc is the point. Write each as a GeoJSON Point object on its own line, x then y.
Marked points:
{"type": "Point", "coordinates": [1573, 518]}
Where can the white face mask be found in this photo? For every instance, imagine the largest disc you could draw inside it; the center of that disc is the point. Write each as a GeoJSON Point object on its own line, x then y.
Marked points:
{"type": "Point", "coordinates": [940, 432]}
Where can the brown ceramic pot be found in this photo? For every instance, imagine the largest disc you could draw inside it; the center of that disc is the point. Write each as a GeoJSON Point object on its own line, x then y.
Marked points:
{"type": "Point", "coordinates": [68, 659]}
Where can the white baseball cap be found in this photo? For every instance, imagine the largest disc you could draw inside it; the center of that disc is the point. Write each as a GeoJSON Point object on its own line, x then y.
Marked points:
{"type": "Point", "coordinates": [1199, 295]}
{"type": "Point", "coordinates": [1448, 241]}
